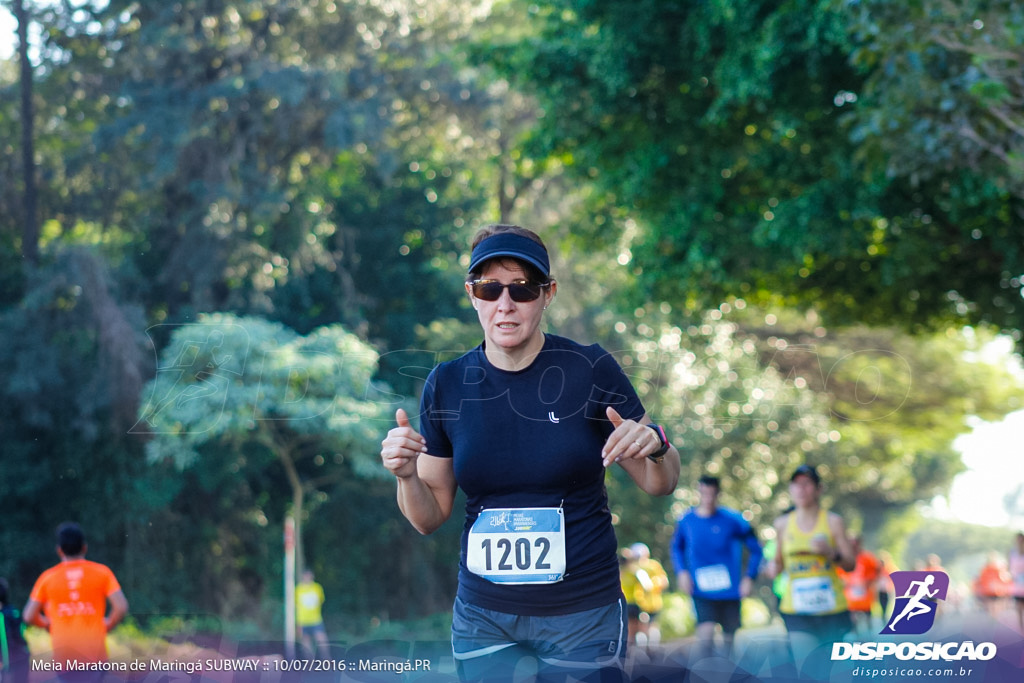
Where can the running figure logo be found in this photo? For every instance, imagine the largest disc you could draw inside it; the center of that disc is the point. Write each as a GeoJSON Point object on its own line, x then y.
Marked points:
{"type": "Point", "coordinates": [917, 596]}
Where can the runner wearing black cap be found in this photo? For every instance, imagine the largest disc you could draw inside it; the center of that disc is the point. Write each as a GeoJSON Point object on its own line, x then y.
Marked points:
{"type": "Point", "coordinates": [526, 424]}
{"type": "Point", "coordinates": [811, 543]}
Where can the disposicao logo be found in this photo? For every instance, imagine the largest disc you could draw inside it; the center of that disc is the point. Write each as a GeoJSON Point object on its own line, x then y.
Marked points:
{"type": "Point", "coordinates": [917, 596]}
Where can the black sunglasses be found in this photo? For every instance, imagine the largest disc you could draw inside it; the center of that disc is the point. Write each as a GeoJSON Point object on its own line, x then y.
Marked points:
{"type": "Point", "coordinates": [519, 290]}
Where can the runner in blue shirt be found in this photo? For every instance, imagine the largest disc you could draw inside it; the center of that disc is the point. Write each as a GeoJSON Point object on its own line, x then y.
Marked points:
{"type": "Point", "coordinates": [526, 424]}
{"type": "Point", "coordinates": [707, 552]}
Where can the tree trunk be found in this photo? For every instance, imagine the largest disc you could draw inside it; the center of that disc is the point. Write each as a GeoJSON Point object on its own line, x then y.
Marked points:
{"type": "Point", "coordinates": [30, 231]}
{"type": "Point", "coordinates": [298, 501]}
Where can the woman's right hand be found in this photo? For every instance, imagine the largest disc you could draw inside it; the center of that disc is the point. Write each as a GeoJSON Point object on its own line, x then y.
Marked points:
{"type": "Point", "coordinates": [402, 447]}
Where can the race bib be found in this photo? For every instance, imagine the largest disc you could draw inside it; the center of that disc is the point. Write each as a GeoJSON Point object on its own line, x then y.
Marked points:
{"type": "Point", "coordinates": [713, 578]}
{"type": "Point", "coordinates": [858, 590]}
{"type": "Point", "coordinates": [518, 545]}
{"type": "Point", "coordinates": [813, 595]}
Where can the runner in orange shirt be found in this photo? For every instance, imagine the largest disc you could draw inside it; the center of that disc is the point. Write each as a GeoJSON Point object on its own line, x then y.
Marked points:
{"type": "Point", "coordinates": [885, 587]}
{"type": "Point", "coordinates": [859, 586]}
{"type": "Point", "coordinates": [70, 600]}
{"type": "Point", "coordinates": [993, 584]}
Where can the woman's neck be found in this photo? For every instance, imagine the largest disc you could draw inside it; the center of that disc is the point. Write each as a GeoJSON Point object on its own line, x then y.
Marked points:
{"type": "Point", "coordinates": [515, 359]}
{"type": "Point", "coordinates": [807, 516]}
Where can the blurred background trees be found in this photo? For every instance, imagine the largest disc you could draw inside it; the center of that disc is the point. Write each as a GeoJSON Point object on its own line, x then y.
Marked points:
{"type": "Point", "coordinates": [799, 228]}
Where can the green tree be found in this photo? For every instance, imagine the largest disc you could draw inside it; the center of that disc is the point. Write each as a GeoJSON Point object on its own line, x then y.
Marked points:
{"type": "Point", "coordinates": [252, 155]}
{"type": "Point", "coordinates": [729, 415]}
{"type": "Point", "coordinates": [230, 107]}
{"type": "Point", "coordinates": [942, 91]}
{"type": "Point", "coordinates": [749, 394]}
{"type": "Point", "coordinates": [288, 158]}
{"type": "Point", "coordinates": [937, 117]}
{"type": "Point", "coordinates": [738, 135]}
{"type": "Point", "coordinates": [247, 397]}
{"type": "Point", "coordinates": [72, 364]}
{"type": "Point", "coordinates": [30, 232]}
{"type": "Point", "coordinates": [961, 547]}
{"type": "Point", "coordinates": [896, 402]}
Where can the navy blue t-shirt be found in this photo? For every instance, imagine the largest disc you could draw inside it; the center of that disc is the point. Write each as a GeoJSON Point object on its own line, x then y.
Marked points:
{"type": "Point", "coordinates": [533, 438]}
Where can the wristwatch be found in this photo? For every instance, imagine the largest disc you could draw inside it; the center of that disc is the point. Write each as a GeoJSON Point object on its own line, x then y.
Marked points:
{"type": "Point", "coordinates": [659, 455]}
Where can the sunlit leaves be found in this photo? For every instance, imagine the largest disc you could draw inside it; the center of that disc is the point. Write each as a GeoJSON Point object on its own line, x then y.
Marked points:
{"type": "Point", "coordinates": [747, 394]}
{"type": "Point", "coordinates": [759, 145]}
{"type": "Point", "coordinates": [229, 381]}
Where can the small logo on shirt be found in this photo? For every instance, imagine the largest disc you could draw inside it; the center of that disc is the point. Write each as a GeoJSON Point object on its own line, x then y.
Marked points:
{"type": "Point", "coordinates": [551, 416]}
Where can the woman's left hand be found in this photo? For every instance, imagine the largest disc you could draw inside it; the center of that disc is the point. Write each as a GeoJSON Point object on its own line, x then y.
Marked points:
{"type": "Point", "coordinates": [630, 439]}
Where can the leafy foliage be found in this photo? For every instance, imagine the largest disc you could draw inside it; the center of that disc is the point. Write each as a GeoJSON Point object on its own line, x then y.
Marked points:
{"type": "Point", "coordinates": [743, 137]}
{"type": "Point", "coordinates": [71, 363]}
{"type": "Point", "coordinates": [297, 181]}
{"type": "Point", "coordinates": [892, 439]}
{"type": "Point", "coordinates": [729, 416]}
{"type": "Point", "coordinates": [238, 402]}
{"type": "Point", "coordinates": [748, 395]}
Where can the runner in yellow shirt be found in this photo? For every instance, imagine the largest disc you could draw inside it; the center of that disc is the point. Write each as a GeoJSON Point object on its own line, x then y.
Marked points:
{"type": "Point", "coordinates": [309, 600]}
{"type": "Point", "coordinates": [812, 544]}
{"type": "Point", "coordinates": [653, 581]}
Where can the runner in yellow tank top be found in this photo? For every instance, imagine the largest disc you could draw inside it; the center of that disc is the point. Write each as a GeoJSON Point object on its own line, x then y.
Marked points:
{"type": "Point", "coordinates": [814, 585]}
{"type": "Point", "coordinates": [812, 543]}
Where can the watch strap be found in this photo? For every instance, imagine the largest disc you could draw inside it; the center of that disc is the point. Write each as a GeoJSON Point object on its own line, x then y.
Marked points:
{"type": "Point", "coordinates": [659, 455]}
